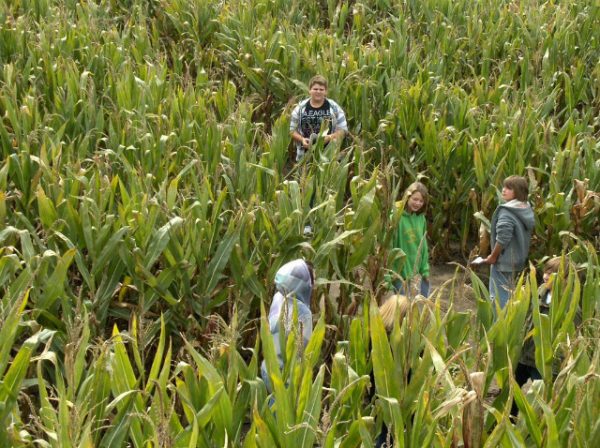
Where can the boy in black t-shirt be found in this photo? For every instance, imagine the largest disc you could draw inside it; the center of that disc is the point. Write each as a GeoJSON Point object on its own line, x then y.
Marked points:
{"type": "Point", "coordinates": [309, 114]}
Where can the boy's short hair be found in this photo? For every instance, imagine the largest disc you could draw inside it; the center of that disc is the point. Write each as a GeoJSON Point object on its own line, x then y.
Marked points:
{"type": "Point", "coordinates": [418, 187]}
{"type": "Point", "coordinates": [317, 79]}
{"type": "Point", "coordinates": [519, 185]}
{"type": "Point", "coordinates": [552, 266]}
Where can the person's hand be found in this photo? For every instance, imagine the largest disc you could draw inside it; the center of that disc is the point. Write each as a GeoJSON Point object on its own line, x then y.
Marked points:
{"type": "Point", "coordinates": [478, 261]}
{"type": "Point", "coordinates": [489, 260]}
{"type": "Point", "coordinates": [305, 142]}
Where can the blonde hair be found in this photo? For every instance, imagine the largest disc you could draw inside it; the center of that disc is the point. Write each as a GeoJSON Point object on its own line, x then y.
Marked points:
{"type": "Point", "coordinates": [387, 310]}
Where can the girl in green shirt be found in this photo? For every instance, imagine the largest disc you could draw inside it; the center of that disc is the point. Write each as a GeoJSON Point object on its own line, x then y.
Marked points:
{"type": "Point", "coordinates": [411, 238]}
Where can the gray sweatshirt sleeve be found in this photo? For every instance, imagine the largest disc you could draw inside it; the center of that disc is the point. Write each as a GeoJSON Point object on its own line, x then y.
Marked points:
{"type": "Point", "coordinates": [504, 228]}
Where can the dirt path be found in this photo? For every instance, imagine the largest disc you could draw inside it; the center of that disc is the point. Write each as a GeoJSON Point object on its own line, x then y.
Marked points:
{"type": "Point", "coordinates": [448, 277]}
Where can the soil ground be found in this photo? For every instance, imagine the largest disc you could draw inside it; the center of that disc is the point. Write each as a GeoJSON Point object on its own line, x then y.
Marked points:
{"type": "Point", "coordinates": [452, 279]}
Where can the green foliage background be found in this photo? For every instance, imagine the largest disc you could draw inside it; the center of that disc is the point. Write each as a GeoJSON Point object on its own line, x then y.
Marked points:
{"type": "Point", "coordinates": [145, 173]}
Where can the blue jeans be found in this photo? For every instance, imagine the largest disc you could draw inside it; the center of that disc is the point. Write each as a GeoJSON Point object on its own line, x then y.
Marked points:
{"type": "Point", "coordinates": [501, 285]}
{"type": "Point", "coordinates": [424, 287]}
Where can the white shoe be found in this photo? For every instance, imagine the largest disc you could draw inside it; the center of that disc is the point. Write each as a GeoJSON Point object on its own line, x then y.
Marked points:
{"type": "Point", "coordinates": [307, 230]}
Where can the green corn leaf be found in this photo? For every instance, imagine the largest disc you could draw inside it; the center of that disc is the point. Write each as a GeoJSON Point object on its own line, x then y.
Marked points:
{"type": "Point", "coordinates": [193, 442]}
{"type": "Point", "coordinates": [124, 381]}
{"type": "Point", "coordinates": [109, 251]}
{"type": "Point", "coordinates": [440, 366]}
{"type": "Point", "coordinates": [589, 302]}
{"type": "Point", "coordinates": [366, 244]}
{"type": "Point", "coordinates": [264, 436]}
{"type": "Point", "coordinates": [571, 307]}
{"type": "Point", "coordinates": [14, 376]}
{"type": "Point", "coordinates": [160, 241]}
{"type": "Point", "coordinates": [358, 347]}
{"type": "Point", "coordinates": [26, 245]}
{"type": "Point", "coordinates": [220, 258]}
{"type": "Point", "coordinates": [352, 439]}
{"type": "Point", "coordinates": [117, 433]}
{"type": "Point", "coordinates": [79, 364]}
{"type": "Point", "coordinates": [386, 379]}
{"type": "Point", "coordinates": [56, 282]}
{"type": "Point", "coordinates": [365, 435]}
{"type": "Point", "coordinates": [457, 327]}
{"type": "Point", "coordinates": [312, 351]}
{"type": "Point", "coordinates": [224, 413]}
{"type": "Point", "coordinates": [514, 437]}
{"type": "Point", "coordinates": [158, 358]}
{"type": "Point", "coordinates": [527, 411]}
{"type": "Point", "coordinates": [312, 410]}
{"type": "Point", "coordinates": [79, 260]}
{"type": "Point", "coordinates": [47, 412]}
{"type": "Point", "coordinates": [397, 421]}
{"type": "Point", "coordinates": [8, 332]}
{"type": "Point", "coordinates": [47, 211]}
{"type": "Point", "coordinates": [551, 433]}
{"type": "Point", "coordinates": [8, 232]}
{"type": "Point", "coordinates": [172, 191]}
{"type": "Point", "coordinates": [205, 415]}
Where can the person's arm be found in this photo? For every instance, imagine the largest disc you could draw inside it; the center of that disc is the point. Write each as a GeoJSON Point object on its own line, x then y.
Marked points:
{"type": "Point", "coordinates": [493, 257]}
{"type": "Point", "coordinates": [341, 126]}
{"type": "Point", "coordinates": [298, 138]}
{"type": "Point", "coordinates": [504, 233]}
{"type": "Point", "coordinates": [336, 136]}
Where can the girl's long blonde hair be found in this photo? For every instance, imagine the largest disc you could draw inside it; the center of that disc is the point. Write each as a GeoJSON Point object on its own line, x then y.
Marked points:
{"type": "Point", "coordinates": [387, 310]}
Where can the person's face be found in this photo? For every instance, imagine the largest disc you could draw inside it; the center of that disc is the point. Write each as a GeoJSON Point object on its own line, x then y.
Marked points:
{"type": "Point", "coordinates": [318, 93]}
{"type": "Point", "coordinates": [507, 194]}
{"type": "Point", "coordinates": [548, 278]}
{"type": "Point", "coordinates": [415, 202]}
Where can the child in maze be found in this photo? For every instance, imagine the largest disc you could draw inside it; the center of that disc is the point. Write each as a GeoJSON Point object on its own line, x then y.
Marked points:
{"type": "Point", "coordinates": [294, 283]}
{"type": "Point", "coordinates": [511, 228]}
{"type": "Point", "coordinates": [314, 115]}
{"type": "Point", "coordinates": [310, 114]}
{"type": "Point", "coordinates": [411, 238]}
{"type": "Point", "coordinates": [399, 304]}
{"type": "Point", "coordinates": [394, 309]}
{"type": "Point", "coordinates": [526, 369]}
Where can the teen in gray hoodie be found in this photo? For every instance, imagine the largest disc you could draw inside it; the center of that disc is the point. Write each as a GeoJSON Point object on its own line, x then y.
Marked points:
{"type": "Point", "coordinates": [511, 229]}
{"type": "Point", "coordinates": [294, 283]}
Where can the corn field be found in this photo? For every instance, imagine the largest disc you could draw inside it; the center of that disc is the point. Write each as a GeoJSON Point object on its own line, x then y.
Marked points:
{"type": "Point", "coordinates": [148, 196]}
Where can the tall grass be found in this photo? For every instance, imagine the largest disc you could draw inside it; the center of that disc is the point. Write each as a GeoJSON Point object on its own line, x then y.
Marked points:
{"type": "Point", "coordinates": [145, 189]}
